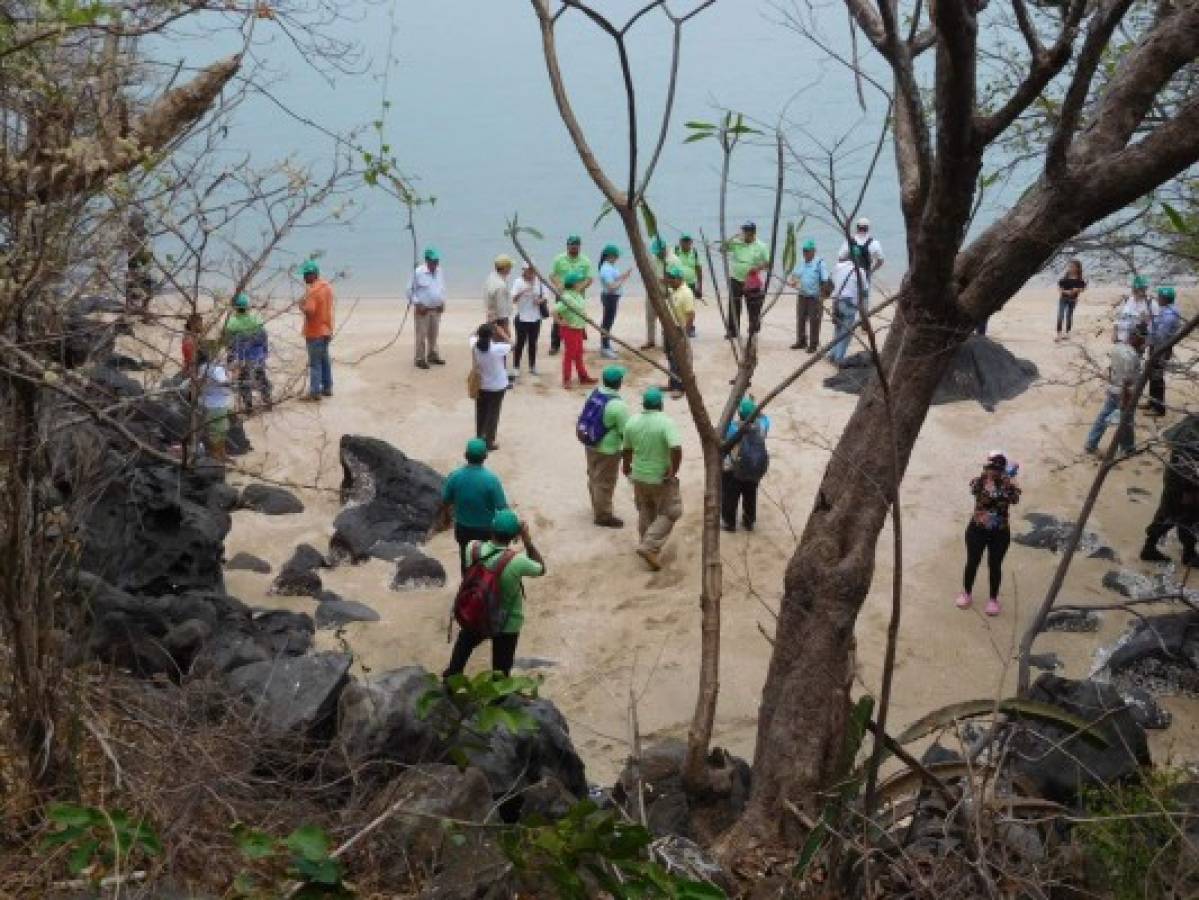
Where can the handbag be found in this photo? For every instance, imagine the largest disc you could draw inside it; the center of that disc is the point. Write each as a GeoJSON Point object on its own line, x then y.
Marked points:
{"type": "Point", "coordinates": [545, 309]}
{"type": "Point", "coordinates": [474, 378]}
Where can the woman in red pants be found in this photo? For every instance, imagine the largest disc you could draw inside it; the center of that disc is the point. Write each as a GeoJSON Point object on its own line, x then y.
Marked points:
{"type": "Point", "coordinates": [569, 313]}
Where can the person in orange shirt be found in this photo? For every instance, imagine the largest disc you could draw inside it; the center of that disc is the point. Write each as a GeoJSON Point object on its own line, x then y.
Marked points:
{"type": "Point", "coordinates": [317, 307]}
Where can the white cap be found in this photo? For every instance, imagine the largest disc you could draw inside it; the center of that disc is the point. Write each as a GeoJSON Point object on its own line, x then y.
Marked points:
{"type": "Point", "coordinates": [864, 223]}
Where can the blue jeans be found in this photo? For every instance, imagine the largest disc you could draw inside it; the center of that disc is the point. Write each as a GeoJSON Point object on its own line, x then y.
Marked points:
{"type": "Point", "coordinates": [844, 314]}
{"type": "Point", "coordinates": [611, 302]}
{"type": "Point", "coordinates": [320, 372]}
{"type": "Point", "coordinates": [1111, 403]}
{"type": "Point", "coordinates": [1065, 313]}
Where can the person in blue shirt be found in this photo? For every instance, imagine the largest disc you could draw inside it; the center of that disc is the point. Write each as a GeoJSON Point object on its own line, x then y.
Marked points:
{"type": "Point", "coordinates": [611, 287]}
{"type": "Point", "coordinates": [470, 497]}
{"type": "Point", "coordinates": [813, 282]}
{"type": "Point", "coordinates": [1165, 325]}
{"type": "Point", "coordinates": [744, 466]}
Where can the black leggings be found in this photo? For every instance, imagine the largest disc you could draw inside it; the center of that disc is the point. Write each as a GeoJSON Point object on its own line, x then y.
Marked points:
{"type": "Point", "coordinates": [995, 542]}
{"type": "Point", "coordinates": [503, 652]}
{"type": "Point", "coordinates": [526, 332]}
{"type": "Point", "coordinates": [487, 414]}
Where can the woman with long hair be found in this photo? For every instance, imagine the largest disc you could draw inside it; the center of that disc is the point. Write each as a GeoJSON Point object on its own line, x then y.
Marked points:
{"type": "Point", "coordinates": [611, 287]}
{"type": "Point", "coordinates": [994, 491]}
{"type": "Point", "coordinates": [1071, 285]}
{"type": "Point", "coordinates": [489, 358]}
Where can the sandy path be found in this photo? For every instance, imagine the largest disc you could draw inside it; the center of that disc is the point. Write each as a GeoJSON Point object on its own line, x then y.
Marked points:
{"type": "Point", "coordinates": [608, 624]}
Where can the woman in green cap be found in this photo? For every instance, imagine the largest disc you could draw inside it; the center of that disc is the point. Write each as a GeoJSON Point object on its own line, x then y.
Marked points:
{"type": "Point", "coordinates": [611, 287]}
{"type": "Point", "coordinates": [569, 313]}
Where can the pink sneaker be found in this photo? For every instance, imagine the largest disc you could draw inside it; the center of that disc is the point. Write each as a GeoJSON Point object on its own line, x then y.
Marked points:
{"type": "Point", "coordinates": [963, 601]}
{"type": "Point", "coordinates": [992, 608]}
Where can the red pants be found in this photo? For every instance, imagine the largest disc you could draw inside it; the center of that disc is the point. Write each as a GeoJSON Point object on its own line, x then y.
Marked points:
{"type": "Point", "coordinates": [572, 353]}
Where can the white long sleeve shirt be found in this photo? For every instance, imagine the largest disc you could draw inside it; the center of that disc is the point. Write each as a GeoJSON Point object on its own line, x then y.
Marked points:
{"type": "Point", "coordinates": [427, 289]}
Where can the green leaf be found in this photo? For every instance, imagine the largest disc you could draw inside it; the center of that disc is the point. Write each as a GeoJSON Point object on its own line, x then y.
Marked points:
{"type": "Point", "coordinates": [66, 836]}
{"type": "Point", "coordinates": [82, 856]}
{"type": "Point", "coordinates": [325, 871]}
{"type": "Point", "coordinates": [1176, 220]}
{"type": "Point", "coordinates": [309, 842]}
{"type": "Point", "coordinates": [811, 846]}
{"type": "Point", "coordinates": [651, 221]}
{"type": "Point", "coordinates": [709, 126]}
{"type": "Point", "coordinates": [947, 715]}
{"type": "Point", "coordinates": [604, 211]}
{"type": "Point", "coordinates": [70, 814]}
{"type": "Point", "coordinates": [252, 843]}
{"type": "Point", "coordinates": [699, 136]}
{"type": "Point", "coordinates": [428, 701]}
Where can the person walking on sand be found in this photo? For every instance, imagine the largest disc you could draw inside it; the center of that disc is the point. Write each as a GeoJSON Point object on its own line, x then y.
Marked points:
{"type": "Point", "coordinates": [1124, 368]}
{"type": "Point", "coordinates": [848, 279]}
{"type": "Point", "coordinates": [611, 288]}
{"type": "Point", "coordinates": [1135, 309]}
{"type": "Point", "coordinates": [744, 468]}
{"type": "Point", "coordinates": [245, 335]}
{"type": "Point", "coordinates": [813, 283]}
{"type": "Point", "coordinates": [510, 568]}
{"type": "Point", "coordinates": [426, 293]}
{"type": "Point", "coordinates": [568, 313]}
{"type": "Point", "coordinates": [529, 298]}
{"type": "Point", "coordinates": [1166, 324]}
{"type": "Point", "coordinates": [471, 495]}
{"type": "Point", "coordinates": [601, 430]}
{"type": "Point", "coordinates": [653, 454]}
{"type": "Point", "coordinates": [317, 307]}
{"type": "Point", "coordinates": [490, 353]}
{"type": "Point", "coordinates": [1071, 285]}
{"type": "Point", "coordinates": [995, 490]}
{"type": "Point", "coordinates": [682, 310]}
{"type": "Point", "coordinates": [663, 261]}
{"type": "Point", "coordinates": [868, 252]}
{"type": "Point", "coordinates": [750, 259]}
{"type": "Point", "coordinates": [216, 404]}
{"type": "Point", "coordinates": [571, 262]}
{"type": "Point", "coordinates": [1178, 506]}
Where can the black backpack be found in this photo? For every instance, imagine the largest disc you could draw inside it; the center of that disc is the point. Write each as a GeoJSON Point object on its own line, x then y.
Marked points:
{"type": "Point", "coordinates": [861, 253]}
{"type": "Point", "coordinates": [750, 457]}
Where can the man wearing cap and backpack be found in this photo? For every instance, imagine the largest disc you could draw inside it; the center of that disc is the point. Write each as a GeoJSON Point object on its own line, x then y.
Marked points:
{"type": "Point", "coordinates": [750, 259]}
{"type": "Point", "coordinates": [813, 283]}
{"type": "Point", "coordinates": [601, 431]}
{"type": "Point", "coordinates": [426, 293]}
{"type": "Point", "coordinates": [490, 602]}
{"type": "Point", "coordinates": [744, 468]}
{"type": "Point", "coordinates": [867, 252]}
{"type": "Point", "coordinates": [317, 307]}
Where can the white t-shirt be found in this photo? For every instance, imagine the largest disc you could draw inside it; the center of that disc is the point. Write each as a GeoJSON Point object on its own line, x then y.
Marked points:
{"type": "Point", "coordinates": [845, 281]}
{"type": "Point", "coordinates": [492, 368]}
{"type": "Point", "coordinates": [872, 246]}
{"type": "Point", "coordinates": [1132, 312]}
{"type": "Point", "coordinates": [527, 295]}
{"type": "Point", "coordinates": [215, 392]}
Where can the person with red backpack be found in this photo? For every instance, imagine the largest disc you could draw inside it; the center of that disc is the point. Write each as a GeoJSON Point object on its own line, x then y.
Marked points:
{"type": "Point", "coordinates": [490, 602]}
{"type": "Point", "coordinates": [601, 431]}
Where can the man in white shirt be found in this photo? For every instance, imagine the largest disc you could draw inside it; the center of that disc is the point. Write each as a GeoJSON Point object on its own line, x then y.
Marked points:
{"type": "Point", "coordinates": [1135, 309]}
{"type": "Point", "coordinates": [849, 286]}
{"type": "Point", "coordinates": [426, 293]}
{"type": "Point", "coordinates": [870, 255]}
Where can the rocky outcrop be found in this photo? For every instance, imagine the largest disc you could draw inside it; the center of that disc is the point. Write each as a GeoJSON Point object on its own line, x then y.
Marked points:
{"type": "Point", "coordinates": [270, 500]}
{"type": "Point", "coordinates": [417, 571]}
{"type": "Point", "coordinates": [334, 611]}
{"type": "Point", "coordinates": [298, 577]}
{"type": "Point", "coordinates": [1050, 533]}
{"type": "Point", "coordinates": [294, 694]}
{"type": "Point", "coordinates": [248, 562]}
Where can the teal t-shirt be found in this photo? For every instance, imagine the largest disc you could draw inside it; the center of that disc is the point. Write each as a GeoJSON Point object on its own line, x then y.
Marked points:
{"type": "Point", "coordinates": [511, 591]}
{"type": "Point", "coordinates": [476, 495]}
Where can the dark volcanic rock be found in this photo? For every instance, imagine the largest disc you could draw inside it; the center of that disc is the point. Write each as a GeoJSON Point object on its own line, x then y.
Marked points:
{"type": "Point", "coordinates": [1058, 760]}
{"type": "Point", "coordinates": [416, 571]}
{"type": "Point", "coordinates": [296, 694]}
{"type": "Point", "coordinates": [1136, 586]}
{"type": "Point", "coordinates": [1046, 662]}
{"type": "Point", "coordinates": [1163, 637]}
{"type": "Point", "coordinates": [270, 500]}
{"type": "Point", "coordinates": [1051, 533]}
{"type": "Point", "coordinates": [389, 497]}
{"type": "Point", "coordinates": [298, 577]}
{"type": "Point", "coordinates": [1074, 620]}
{"type": "Point", "coordinates": [981, 370]}
{"type": "Point", "coordinates": [333, 611]}
{"type": "Point", "coordinates": [1145, 709]}
{"type": "Point", "coordinates": [248, 562]}
{"type": "Point", "coordinates": [283, 633]}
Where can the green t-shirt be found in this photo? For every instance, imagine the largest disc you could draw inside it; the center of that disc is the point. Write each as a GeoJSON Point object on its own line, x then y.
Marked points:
{"type": "Point", "coordinates": [651, 434]}
{"type": "Point", "coordinates": [689, 263]}
{"type": "Point", "coordinates": [511, 592]}
{"type": "Point", "coordinates": [746, 257]}
{"type": "Point", "coordinates": [243, 323]}
{"type": "Point", "coordinates": [476, 494]}
{"type": "Point", "coordinates": [616, 415]}
{"type": "Point", "coordinates": [564, 265]}
{"type": "Point", "coordinates": [571, 308]}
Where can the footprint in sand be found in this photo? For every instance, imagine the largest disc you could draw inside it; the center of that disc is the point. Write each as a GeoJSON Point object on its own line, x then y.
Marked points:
{"type": "Point", "coordinates": [667, 578]}
{"type": "Point", "coordinates": [541, 521]}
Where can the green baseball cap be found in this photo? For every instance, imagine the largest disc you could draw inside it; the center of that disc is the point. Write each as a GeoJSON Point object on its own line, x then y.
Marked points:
{"type": "Point", "coordinates": [431, 254]}
{"type": "Point", "coordinates": [476, 450]}
{"type": "Point", "coordinates": [657, 246]}
{"type": "Point", "coordinates": [652, 398]}
{"type": "Point", "coordinates": [241, 301]}
{"type": "Point", "coordinates": [809, 244]}
{"type": "Point", "coordinates": [573, 239]}
{"type": "Point", "coordinates": [573, 278]}
{"type": "Point", "coordinates": [505, 524]}
{"type": "Point", "coordinates": [1140, 283]}
{"type": "Point", "coordinates": [613, 376]}
{"type": "Point", "coordinates": [1166, 292]}
{"type": "Point", "coordinates": [611, 250]}
{"type": "Point", "coordinates": [685, 237]}
{"type": "Point", "coordinates": [309, 268]}
{"type": "Point", "coordinates": [747, 408]}
{"type": "Point", "coordinates": [674, 272]}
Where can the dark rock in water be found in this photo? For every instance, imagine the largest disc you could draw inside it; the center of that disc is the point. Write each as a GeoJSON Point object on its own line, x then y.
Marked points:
{"type": "Point", "coordinates": [1147, 712]}
{"type": "Point", "coordinates": [333, 611]}
{"type": "Point", "coordinates": [1073, 620]}
{"type": "Point", "coordinates": [283, 633]}
{"type": "Point", "coordinates": [296, 694]}
{"type": "Point", "coordinates": [1046, 662]}
{"type": "Point", "coordinates": [1059, 761]}
{"type": "Point", "coordinates": [248, 562]}
{"type": "Point", "coordinates": [417, 571]}
{"type": "Point", "coordinates": [389, 497]}
{"type": "Point", "coordinates": [1159, 636]}
{"type": "Point", "coordinates": [270, 500]}
{"type": "Point", "coordinates": [981, 370]}
{"type": "Point", "coordinates": [1051, 533]}
{"type": "Point", "coordinates": [298, 577]}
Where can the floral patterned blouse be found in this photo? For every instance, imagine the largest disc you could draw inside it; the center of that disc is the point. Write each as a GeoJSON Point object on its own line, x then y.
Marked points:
{"type": "Point", "coordinates": [992, 497]}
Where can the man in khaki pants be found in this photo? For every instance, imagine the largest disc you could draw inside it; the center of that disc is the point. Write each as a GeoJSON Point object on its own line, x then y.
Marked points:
{"type": "Point", "coordinates": [652, 456]}
{"type": "Point", "coordinates": [601, 428]}
{"type": "Point", "coordinates": [426, 293]}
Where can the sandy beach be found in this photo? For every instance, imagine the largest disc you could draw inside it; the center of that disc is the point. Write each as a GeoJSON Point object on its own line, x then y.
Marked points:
{"type": "Point", "coordinates": [605, 626]}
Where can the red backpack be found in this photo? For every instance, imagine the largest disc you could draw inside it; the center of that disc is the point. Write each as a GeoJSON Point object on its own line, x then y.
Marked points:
{"type": "Point", "coordinates": [479, 604]}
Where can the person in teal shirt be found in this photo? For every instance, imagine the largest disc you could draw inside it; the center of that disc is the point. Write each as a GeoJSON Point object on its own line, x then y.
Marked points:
{"type": "Point", "coordinates": [603, 460]}
{"type": "Point", "coordinates": [470, 497]}
{"type": "Point", "coordinates": [572, 262]}
{"type": "Point", "coordinates": [747, 278]}
{"type": "Point", "coordinates": [494, 553]}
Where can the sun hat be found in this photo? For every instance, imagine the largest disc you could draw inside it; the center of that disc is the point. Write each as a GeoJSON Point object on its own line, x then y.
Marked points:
{"type": "Point", "coordinates": [503, 261]}
{"type": "Point", "coordinates": [613, 376]}
{"type": "Point", "coordinates": [476, 450]}
{"type": "Point", "coordinates": [505, 524]}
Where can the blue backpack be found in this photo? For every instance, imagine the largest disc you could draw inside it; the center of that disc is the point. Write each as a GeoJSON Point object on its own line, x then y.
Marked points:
{"type": "Point", "coordinates": [590, 428]}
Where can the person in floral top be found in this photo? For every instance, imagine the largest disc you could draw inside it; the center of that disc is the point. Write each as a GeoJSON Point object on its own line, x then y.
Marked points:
{"type": "Point", "coordinates": [995, 490]}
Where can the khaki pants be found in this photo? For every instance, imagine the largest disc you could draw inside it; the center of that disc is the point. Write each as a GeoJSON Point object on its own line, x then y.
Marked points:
{"type": "Point", "coordinates": [807, 321]}
{"type": "Point", "coordinates": [603, 471]}
{"type": "Point", "coordinates": [425, 324]}
{"type": "Point", "coordinates": [659, 506]}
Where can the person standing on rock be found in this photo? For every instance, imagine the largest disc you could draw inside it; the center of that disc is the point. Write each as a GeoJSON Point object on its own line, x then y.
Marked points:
{"type": "Point", "coordinates": [245, 335]}
{"type": "Point", "coordinates": [601, 429]}
{"type": "Point", "coordinates": [995, 490]}
{"type": "Point", "coordinates": [653, 454]}
{"type": "Point", "coordinates": [1166, 324]}
{"type": "Point", "coordinates": [470, 497]}
{"type": "Point", "coordinates": [813, 282]}
{"type": "Point", "coordinates": [1124, 368]}
{"type": "Point", "coordinates": [572, 262]}
{"type": "Point", "coordinates": [750, 259]}
{"type": "Point", "coordinates": [317, 307]}
{"type": "Point", "coordinates": [568, 313]}
{"type": "Point", "coordinates": [1179, 503]}
{"type": "Point", "coordinates": [744, 468]}
{"type": "Point", "coordinates": [497, 554]}
{"type": "Point", "coordinates": [426, 293]}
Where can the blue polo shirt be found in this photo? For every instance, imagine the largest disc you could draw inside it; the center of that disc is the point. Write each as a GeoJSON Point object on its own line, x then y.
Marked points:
{"type": "Point", "coordinates": [811, 275]}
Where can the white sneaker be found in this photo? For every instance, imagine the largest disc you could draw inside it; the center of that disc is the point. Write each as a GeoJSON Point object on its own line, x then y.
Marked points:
{"type": "Point", "coordinates": [609, 354]}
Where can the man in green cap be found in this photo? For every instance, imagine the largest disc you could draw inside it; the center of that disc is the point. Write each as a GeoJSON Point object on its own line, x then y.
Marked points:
{"type": "Point", "coordinates": [426, 293]}
{"type": "Point", "coordinates": [693, 271]}
{"type": "Point", "coordinates": [601, 430]}
{"type": "Point", "coordinates": [470, 497]}
{"type": "Point", "coordinates": [682, 309]}
{"type": "Point", "coordinates": [750, 259]}
{"type": "Point", "coordinates": [245, 336]}
{"type": "Point", "coordinates": [653, 454]}
{"type": "Point", "coordinates": [664, 260]}
{"type": "Point", "coordinates": [572, 261]}
{"type": "Point", "coordinates": [317, 307]}
{"type": "Point", "coordinates": [744, 467]}
{"type": "Point", "coordinates": [1166, 324]}
{"type": "Point", "coordinates": [1136, 309]}
{"type": "Point", "coordinates": [496, 554]}
{"type": "Point", "coordinates": [813, 283]}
